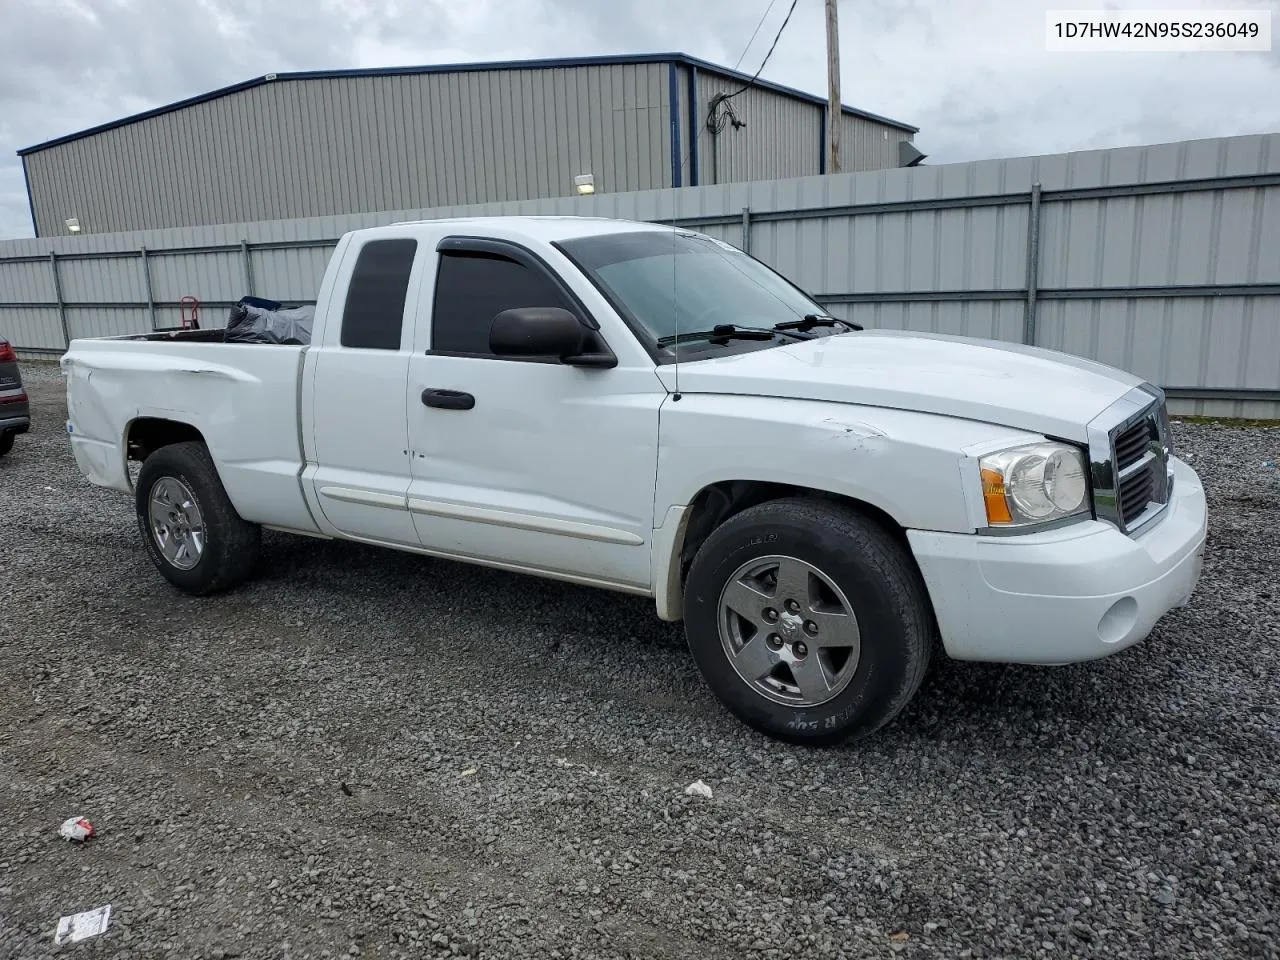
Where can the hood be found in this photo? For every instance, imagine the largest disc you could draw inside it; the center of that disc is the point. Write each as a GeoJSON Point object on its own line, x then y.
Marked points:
{"type": "Point", "coordinates": [1027, 388]}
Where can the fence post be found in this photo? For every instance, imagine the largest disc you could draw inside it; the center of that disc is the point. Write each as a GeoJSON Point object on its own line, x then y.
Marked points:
{"type": "Point", "coordinates": [146, 280]}
{"type": "Point", "coordinates": [248, 267]}
{"type": "Point", "coordinates": [746, 229]}
{"type": "Point", "coordinates": [1033, 267]}
{"type": "Point", "coordinates": [57, 292]}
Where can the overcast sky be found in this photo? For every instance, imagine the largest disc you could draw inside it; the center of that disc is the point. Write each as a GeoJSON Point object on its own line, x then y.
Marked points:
{"type": "Point", "coordinates": [972, 74]}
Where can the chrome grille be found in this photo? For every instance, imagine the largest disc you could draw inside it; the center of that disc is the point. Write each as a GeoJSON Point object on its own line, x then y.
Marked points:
{"type": "Point", "coordinates": [1136, 493]}
{"type": "Point", "coordinates": [1129, 450]}
{"type": "Point", "coordinates": [1131, 444]}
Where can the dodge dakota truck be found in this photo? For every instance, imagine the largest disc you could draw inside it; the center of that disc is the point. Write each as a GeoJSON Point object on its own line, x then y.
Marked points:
{"type": "Point", "coordinates": [649, 410]}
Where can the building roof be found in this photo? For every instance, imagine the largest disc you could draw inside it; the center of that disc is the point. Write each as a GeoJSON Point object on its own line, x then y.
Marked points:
{"type": "Point", "coordinates": [602, 61]}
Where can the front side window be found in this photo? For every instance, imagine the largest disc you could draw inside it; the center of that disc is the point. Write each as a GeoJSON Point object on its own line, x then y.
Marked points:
{"type": "Point", "coordinates": [674, 282]}
{"type": "Point", "coordinates": [474, 287]}
{"type": "Point", "coordinates": [374, 313]}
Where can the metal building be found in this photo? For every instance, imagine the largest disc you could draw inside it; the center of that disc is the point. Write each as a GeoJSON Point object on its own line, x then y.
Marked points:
{"type": "Point", "coordinates": [292, 145]}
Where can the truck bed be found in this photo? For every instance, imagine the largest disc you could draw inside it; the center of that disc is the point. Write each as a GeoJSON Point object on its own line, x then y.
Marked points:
{"type": "Point", "coordinates": [177, 335]}
{"type": "Point", "coordinates": [242, 398]}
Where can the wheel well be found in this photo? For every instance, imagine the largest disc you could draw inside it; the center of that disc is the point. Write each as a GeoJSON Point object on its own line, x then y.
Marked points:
{"type": "Point", "coordinates": [716, 503]}
{"type": "Point", "coordinates": [148, 434]}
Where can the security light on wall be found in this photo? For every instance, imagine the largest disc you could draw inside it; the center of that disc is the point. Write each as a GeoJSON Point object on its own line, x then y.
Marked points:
{"type": "Point", "coordinates": [73, 225]}
{"type": "Point", "coordinates": [585, 184]}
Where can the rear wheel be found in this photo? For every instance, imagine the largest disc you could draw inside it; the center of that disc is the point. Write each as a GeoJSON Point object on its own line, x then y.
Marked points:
{"type": "Point", "coordinates": [808, 620]}
{"type": "Point", "coordinates": [6, 442]}
{"type": "Point", "coordinates": [191, 530]}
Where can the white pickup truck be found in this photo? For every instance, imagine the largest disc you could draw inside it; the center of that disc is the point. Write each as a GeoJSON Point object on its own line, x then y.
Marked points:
{"type": "Point", "coordinates": [650, 410]}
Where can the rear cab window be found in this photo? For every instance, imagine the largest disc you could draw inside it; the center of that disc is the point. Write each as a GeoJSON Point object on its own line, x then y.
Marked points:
{"type": "Point", "coordinates": [373, 316]}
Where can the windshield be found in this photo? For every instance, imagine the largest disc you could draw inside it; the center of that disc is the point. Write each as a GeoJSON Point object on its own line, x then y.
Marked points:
{"type": "Point", "coordinates": [667, 283]}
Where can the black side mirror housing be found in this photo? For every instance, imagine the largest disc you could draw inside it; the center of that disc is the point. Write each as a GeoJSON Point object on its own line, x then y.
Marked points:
{"type": "Point", "coordinates": [536, 332]}
{"type": "Point", "coordinates": [544, 332]}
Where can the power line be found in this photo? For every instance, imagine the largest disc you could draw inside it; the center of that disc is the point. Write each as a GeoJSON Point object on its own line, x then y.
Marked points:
{"type": "Point", "coordinates": [772, 47]}
{"type": "Point", "coordinates": [720, 111]}
{"type": "Point", "coordinates": [754, 32]}
{"type": "Point", "coordinates": [715, 120]}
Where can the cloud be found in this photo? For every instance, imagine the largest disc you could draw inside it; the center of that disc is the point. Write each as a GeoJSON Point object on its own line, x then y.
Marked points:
{"type": "Point", "coordinates": [973, 75]}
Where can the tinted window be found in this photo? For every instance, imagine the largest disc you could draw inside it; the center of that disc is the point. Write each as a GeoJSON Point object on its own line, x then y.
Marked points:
{"type": "Point", "coordinates": [473, 288]}
{"type": "Point", "coordinates": [673, 282]}
{"type": "Point", "coordinates": [374, 312]}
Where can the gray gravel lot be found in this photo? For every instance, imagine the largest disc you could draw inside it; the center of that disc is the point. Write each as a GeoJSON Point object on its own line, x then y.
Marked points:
{"type": "Point", "coordinates": [378, 754]}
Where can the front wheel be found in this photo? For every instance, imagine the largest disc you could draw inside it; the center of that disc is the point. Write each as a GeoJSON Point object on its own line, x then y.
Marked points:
{"type": "Point", "coordinates": [808, 620]}
{"type": "Point", "coordinates": [191, 530]}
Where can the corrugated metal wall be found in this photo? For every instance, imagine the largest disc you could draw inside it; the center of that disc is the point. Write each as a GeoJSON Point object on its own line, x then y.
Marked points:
{"type": "Point", "coordinates": [867, 145]}
{"type": "Point", "coordinates": [782, 136]}
{"type": "Point", "coordinates": [1161, 260]}
{"type": "Point", "coordinates": [302, 148]}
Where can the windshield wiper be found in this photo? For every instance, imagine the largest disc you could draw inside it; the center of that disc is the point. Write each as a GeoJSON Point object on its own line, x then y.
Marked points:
{"type": "Point", "coordinates": [812, 320]}
{"type": "Point", "coordinates": [724, 332]}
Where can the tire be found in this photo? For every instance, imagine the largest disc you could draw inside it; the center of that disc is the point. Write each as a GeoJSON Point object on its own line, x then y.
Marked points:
{"type": "Point", "coordinates": [6, 442]}
{"type": "Point", "coordinates": [849, 678]}
{"type": "Point", "coordinates": [184, 477]}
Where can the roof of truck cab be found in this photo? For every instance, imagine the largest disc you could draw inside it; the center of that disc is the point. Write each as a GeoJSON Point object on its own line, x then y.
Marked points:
{"type": "Point", "coordinates": [545, 228]}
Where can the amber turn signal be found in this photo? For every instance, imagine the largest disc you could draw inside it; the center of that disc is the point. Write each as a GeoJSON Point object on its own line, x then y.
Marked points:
{"type": "Point", "coordinates": [993, 497]}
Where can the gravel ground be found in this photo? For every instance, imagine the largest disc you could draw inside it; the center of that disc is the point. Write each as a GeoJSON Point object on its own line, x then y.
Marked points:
{"type": "Point", "coordinates": [367, 753]}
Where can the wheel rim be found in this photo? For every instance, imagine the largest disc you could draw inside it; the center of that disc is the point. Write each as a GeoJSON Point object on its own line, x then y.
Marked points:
{"type": "Point", "coordinates": [789, 632]}
{"type": "Point", "coordinates": [177, 526]}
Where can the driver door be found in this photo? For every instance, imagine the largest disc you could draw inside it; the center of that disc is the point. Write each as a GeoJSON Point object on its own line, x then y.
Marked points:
{"type": "Point", "coordinates": [526, 462]}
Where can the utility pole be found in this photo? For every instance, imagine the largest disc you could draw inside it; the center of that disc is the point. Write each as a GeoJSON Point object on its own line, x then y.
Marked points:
{"type": "Point", "coordinates": [833, 89]}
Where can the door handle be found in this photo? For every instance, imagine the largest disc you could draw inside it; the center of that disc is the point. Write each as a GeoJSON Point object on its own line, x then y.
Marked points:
{"type": "Point", "coordinates": [447, 399]}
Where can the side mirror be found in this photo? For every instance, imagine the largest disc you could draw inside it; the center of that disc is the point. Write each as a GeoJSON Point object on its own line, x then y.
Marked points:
{"type": "Point", "coordinates": [548, 332]}
{"type": "Point", "coordinates": [536, 332]}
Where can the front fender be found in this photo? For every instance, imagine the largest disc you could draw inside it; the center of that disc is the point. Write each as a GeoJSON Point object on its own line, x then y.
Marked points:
{"type": "Point", "coordinates": [905, 463]}
{"type": "Point", "coordinates": [908, 465]}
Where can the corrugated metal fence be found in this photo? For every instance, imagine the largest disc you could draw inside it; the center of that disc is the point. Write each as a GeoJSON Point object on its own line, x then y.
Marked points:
{"type": "Point", "coordinates": [1163, 260]}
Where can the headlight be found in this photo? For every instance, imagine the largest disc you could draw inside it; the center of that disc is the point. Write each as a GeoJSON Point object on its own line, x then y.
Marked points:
{"type": "Point", "coordinates": [1035, 484]}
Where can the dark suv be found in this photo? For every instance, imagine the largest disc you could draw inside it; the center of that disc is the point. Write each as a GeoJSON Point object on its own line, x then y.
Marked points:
{"type": "Point", "coordinates": [15, 408]}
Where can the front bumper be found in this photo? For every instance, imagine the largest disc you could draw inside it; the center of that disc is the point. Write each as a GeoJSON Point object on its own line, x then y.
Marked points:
{"type": "Point", "coordinates": [1076, 593]}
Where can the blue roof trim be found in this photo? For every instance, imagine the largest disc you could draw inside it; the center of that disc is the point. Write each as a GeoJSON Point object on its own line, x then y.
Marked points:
{"type": "Point", "coordinates": [31, 199]}
{"type": "Point", "coordinates": [494, 65]}
{"type": "Point", "coordinates": [673, 103]}
{"type": "Point", "coordinates": [693, 126]}
{"type": "Point", "coordinates": [147, 114]}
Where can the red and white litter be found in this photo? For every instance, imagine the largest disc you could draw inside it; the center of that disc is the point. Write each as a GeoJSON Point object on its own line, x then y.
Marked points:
{"type": "Point", "coordinates": [77, 828]}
